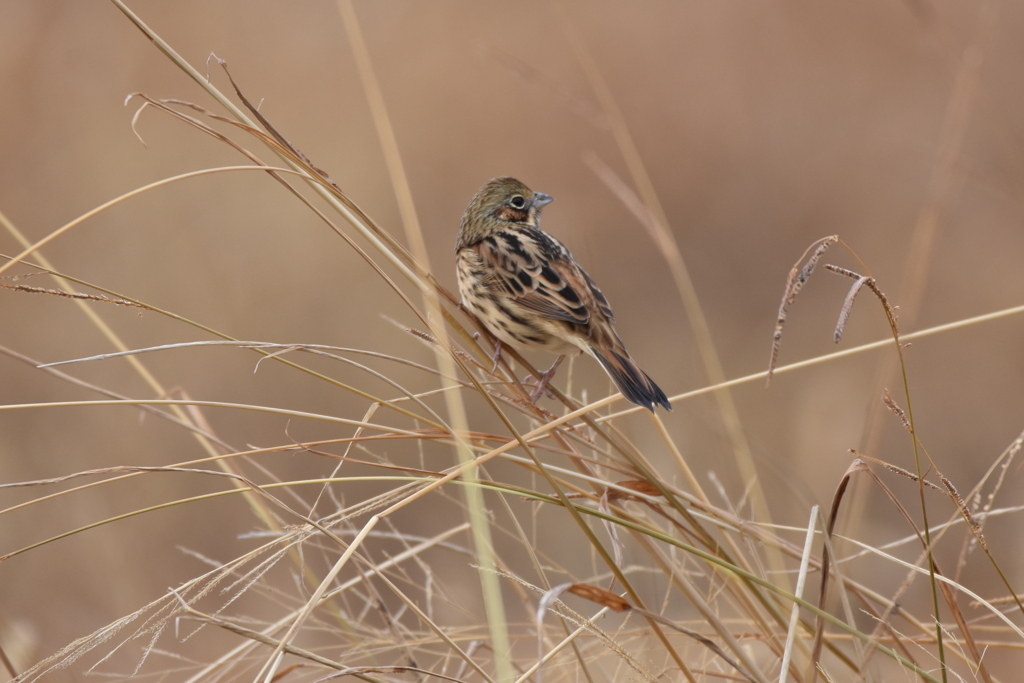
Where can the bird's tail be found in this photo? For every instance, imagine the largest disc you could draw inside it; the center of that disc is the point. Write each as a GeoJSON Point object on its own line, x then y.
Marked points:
{"type": "Point", "coordinates": [633, 382]}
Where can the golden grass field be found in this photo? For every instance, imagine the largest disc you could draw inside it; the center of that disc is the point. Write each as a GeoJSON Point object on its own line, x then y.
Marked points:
{"type": "Point", "coordinates": [202, 512]}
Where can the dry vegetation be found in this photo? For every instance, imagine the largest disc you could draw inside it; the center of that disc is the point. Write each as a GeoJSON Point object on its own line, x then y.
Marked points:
{"type": "Point", "coordinates": [398, 510]}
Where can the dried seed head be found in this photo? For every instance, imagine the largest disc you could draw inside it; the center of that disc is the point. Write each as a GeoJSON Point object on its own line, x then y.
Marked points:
{"type": "Point", "coordinates": [896, 410]}
{"type": "Point", "coordinates": [794, 282]}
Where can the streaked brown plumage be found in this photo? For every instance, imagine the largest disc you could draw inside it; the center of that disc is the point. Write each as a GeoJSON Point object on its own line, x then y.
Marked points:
{"type": "Point", "coordinates": [529, 292]}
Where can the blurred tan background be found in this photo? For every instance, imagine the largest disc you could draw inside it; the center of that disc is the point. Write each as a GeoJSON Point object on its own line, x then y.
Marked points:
{"type": "Point", "coordinates": [764, 126]}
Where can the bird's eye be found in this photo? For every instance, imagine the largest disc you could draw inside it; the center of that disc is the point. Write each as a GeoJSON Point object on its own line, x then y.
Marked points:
{"type": "Point", "coordinates": [518, 201]}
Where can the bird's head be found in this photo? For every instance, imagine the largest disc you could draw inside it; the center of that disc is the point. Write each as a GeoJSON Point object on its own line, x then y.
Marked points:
{"type": "Point", "coordinates": [499, 203]}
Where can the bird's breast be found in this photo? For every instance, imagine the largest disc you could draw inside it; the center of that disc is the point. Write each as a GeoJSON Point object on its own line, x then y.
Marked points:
{"type": "Point", "coordinates": [484, 293]}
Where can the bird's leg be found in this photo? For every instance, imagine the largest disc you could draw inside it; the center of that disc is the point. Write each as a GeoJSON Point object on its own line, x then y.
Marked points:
{"type": "Point", "coordinates": [497, 355]}
{"type": "Point", "coordinates": [545, 378]}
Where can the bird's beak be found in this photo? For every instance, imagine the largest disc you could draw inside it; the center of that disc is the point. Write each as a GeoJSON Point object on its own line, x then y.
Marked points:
{"type": "Point", "coordinates": [540, 199]}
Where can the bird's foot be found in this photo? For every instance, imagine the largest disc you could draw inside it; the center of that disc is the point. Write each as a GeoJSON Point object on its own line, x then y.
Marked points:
{"type": "Point", "coordinates": [545, 378]}
{"type": "Point", "coordinates": [539, 389]}
{"type": "Point", "coordinates": [497, 356]}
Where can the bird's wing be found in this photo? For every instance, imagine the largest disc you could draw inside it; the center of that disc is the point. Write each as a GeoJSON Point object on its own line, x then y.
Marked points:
{"type": "Point", "coordinates": [598, 296]}
{"type": "Point", "coordinates": [541, 275]}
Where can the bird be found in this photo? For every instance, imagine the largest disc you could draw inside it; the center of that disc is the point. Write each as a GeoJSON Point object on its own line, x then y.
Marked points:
{"type": "Point", "coordinates": [528, 291]}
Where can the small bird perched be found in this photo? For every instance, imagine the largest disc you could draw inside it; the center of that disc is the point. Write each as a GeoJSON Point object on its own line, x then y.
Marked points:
{"type": "Point", "coordinates": [528, 291]}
